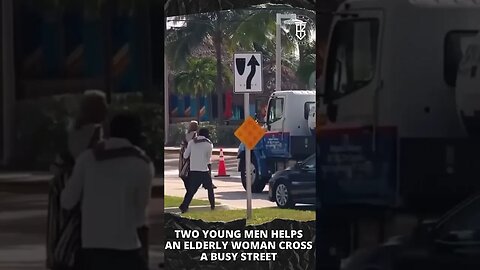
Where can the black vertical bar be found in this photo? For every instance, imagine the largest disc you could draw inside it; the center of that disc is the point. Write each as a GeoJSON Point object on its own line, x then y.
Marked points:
{"type": "Point", "coordinates": [330, 225]}
{"type": "Point", "coordinates": [1, 80]}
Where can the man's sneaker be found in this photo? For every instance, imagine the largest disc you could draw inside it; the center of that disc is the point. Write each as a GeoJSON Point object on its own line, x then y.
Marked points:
{"type": "Point", "coordinates": [183, 210]}
{"type": "Point", "coordinates": [212, 207]}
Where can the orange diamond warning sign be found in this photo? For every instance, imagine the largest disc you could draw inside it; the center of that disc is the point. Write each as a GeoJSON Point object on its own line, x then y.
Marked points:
{"type": "Point", "coordinates": [250, 133]}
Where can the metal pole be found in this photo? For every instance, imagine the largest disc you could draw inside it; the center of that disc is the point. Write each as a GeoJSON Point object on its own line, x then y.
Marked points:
{"type": "Point", "coordinates": [248, 162]}
{"type": "Point", "coordinates": [278, 54]}
{"type": "Point", "coordinates": [8, 83]}
{"type": "Point", "coordinates": [166, 101]}
{"type": "Point", "coordinates": [166, 96]}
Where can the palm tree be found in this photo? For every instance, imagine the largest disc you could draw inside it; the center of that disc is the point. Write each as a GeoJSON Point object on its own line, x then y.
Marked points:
{"type": "Point", "coordinates": [198, 78]}
{"type": "Point", "coordinates": [199, 28]}
{"type": "Point", "coordinates": [307, 63]}
{"type": "Point", "coordinates": [235, 30]}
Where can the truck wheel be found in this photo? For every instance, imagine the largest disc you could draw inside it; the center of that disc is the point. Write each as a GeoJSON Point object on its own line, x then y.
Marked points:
{"type": "Point", "coordinates": [257, 183]}
{"type": "Point", "coordinates": [281, 193]}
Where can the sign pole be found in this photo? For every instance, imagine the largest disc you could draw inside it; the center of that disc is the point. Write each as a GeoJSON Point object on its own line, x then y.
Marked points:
{"type": "Point", "coordinates": [278, 53]}
{"type": "Point", "coordinates": [248, 162]}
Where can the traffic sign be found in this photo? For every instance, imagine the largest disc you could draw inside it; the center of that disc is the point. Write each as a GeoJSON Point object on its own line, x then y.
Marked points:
{"type": "Point", "coordinates": [248, 73]}
{"type": "Point", "coordinates": [250, 133]}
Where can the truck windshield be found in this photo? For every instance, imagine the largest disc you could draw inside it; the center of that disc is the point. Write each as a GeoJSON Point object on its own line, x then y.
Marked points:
{"type": "Point", "coordinates": [275, 109]}
{"type": "Point", "coordinates": [352, 56]}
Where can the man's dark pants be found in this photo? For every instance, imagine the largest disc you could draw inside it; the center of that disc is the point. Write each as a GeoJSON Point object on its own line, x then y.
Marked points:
{"type": "Point", "coordinates": [196, 179]}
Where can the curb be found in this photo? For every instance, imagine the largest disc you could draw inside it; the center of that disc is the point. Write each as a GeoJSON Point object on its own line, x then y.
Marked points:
{"type": "Point", "coordinates": [214, 152]}
{"type": "Point", "coordinates": [196, 208]}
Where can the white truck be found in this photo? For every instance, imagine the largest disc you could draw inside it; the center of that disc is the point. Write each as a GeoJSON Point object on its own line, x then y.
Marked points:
{"type": "Point", "coordinates": [468, 88]}
{"type": "Point", "coordinates": [402, 129]}
{"type": "Point", "coordinates": [290, 123]}
{"type": "Point", "coordinates": [400, 138]}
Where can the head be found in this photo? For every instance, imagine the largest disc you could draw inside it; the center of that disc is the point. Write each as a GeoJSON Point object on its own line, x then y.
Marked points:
{"type": "Point", "coordinates": [127, 126]}
{"type": "Point", "coordinates": [193, 126]}
{"type": "Point", "coordinates": [204, 132]}
{"type": "Point", "coordinates": [93, 107]}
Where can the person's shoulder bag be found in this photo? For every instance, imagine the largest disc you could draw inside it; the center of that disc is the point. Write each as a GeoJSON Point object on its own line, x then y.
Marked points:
{"type": "Point", "coordinates": [184, 169]}
{"type": "Point", "coordinates": [66, 253]}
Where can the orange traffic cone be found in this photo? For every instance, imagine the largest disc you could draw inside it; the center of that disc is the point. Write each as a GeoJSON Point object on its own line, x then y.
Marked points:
{"type": "Point", "coordinates": [222, 171]}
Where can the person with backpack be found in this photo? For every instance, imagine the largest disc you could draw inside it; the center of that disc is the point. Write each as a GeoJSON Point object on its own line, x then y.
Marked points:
{"type": "Point", "coordinates": [199, 150]}
{"type": "Point", "coordinates": [184, 163]}
{"type": "Point", "coordinates": [111, 183]}
{"type": "Point", "coordinates": [86, 132]}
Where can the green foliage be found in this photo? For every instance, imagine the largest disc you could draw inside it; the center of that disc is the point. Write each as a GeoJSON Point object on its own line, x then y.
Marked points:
{"type": "Point", "coordinates": [40, 132]}
{"type": "Point", "coordinates": [221, 135]}
{"type": "Point", "coordinates": [198, 78]}
{"type": "Point", "coordinates": [42, 128]}
{"type": "Point", "coordinates": [307, 63]}
{"type": "Point", "coordinates": [153, 127]}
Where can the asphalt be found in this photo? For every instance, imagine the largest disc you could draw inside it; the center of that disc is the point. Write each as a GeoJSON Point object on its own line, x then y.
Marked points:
{"type": "Point", "coordinates": [35, 182]}
{"type": "Point", "coordinates": [229, 192]}
{"type": "Point", "coordinates": [23, 215]}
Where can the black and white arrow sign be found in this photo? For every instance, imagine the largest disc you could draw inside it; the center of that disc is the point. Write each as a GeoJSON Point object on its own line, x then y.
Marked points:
{"type": "Point", "coordinates": [248, 73]}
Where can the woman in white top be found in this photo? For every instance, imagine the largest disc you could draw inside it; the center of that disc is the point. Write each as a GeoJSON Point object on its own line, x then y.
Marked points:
{"type": "Point", "coordinates": [184, 163]}
{"type": "Point", "coordinates": [86, 132]}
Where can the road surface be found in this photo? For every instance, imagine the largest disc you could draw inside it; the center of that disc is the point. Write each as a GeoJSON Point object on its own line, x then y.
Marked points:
{"type": "Point", "coordinates": [229, 190]}
{"type": "Point", "coordinates": [23, 215]}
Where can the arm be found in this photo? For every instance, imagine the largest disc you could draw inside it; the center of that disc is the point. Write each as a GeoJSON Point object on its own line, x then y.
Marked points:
{"type": "Point", "coordinates": [143, 195]}
{"type": "Point", "coordinates": [72, 193]}
{"type": "Point", "coordinates": [186, 154]}
{"type": "Point", "coordinates": [209, 154]}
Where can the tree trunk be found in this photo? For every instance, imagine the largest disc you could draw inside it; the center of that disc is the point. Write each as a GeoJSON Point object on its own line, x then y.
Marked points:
{"type": "Point", "coordinates": [199, 108]}
{"type": "Point", "coordinates": [210, 106]}
{"type": "Point", "coordinates": [107, 43]}
{"type": "Point", "coordinates": [142, 45]}
{"type": "Point", "coordinates": [303, 53]}
{"type": "Point", "coordinates": [62, 65]}
{"type": "Point", "coordinates": [8, 81]}
{"type": "Point", "coordinates": [218, 52]}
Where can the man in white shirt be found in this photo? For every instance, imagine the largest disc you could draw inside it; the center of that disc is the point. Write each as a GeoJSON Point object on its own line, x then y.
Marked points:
{"type": "Point", "coordinates": [112, 184]}
{"type": "Point", "coordinates": [199, 150]}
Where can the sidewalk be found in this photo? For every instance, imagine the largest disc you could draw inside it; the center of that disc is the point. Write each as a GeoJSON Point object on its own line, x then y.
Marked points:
{"type": "Point", "coordinates": [23, 208]}
{"type": "Point", "coordinates": [29, 182]}
{"type": "Point", "coordinates": [216, 151]}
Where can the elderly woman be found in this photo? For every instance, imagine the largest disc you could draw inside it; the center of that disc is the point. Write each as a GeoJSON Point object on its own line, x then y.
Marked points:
{"type": "Point", "coordinates": [87, 131]}
{"type": "Point", "coordinates": [184, 164]}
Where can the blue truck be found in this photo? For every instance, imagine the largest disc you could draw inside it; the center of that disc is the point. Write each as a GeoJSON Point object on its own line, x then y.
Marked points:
{"type": "Point", "coordinates": [290, 125]}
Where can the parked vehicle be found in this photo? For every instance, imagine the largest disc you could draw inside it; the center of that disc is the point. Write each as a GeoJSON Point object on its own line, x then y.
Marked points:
{"type": "Point", "coordinates": [452, 242]}
{"type": "Point", "coordinates": [289, 137]}
{"type": "Point", "coordinates": [295, 184]}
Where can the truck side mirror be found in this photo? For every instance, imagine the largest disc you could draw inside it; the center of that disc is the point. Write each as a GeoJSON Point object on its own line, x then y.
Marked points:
{"type": "Point", "coordinates": [338, 72]}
